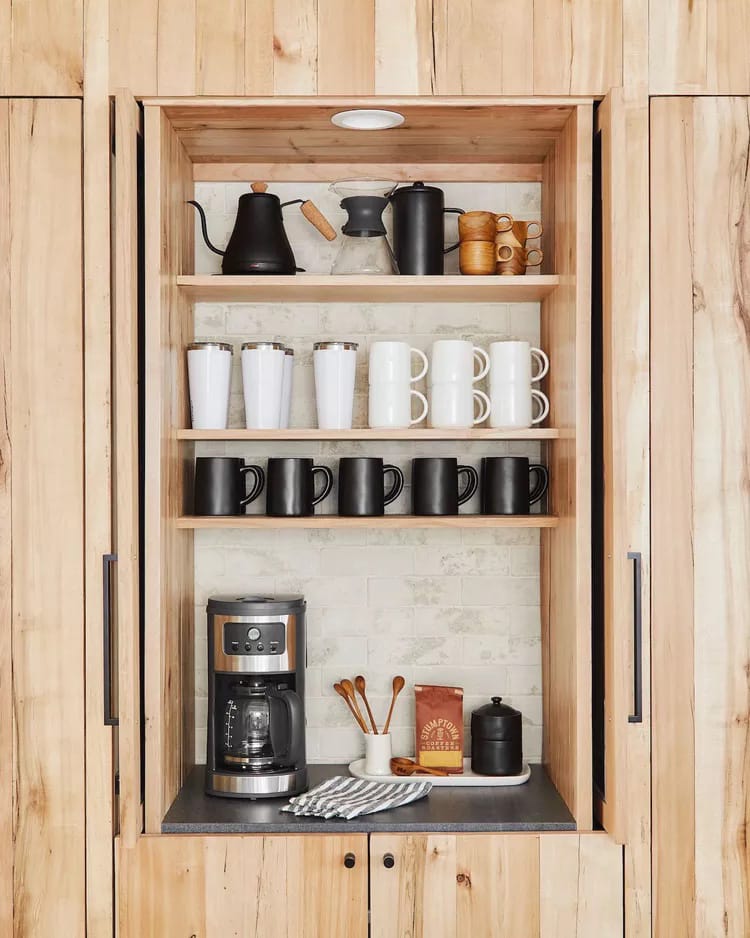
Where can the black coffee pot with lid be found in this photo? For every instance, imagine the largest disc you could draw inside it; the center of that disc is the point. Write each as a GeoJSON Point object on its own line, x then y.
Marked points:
{"type": "Point", "coordinates": [258, 243]}
{"type": "Point", "coordinates": [496, 739]}
{"type": "Point", "coordinates": [418, 229]}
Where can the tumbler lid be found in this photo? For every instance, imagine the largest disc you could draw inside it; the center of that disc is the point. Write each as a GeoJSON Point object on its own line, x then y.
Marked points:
{"type": "Point", "coordinates": [224, 346]}
{"type": "Point", "coordinates": [353, 346]}
{"type": "Point", "coordinates": [288, 351]}
{"type": "Point", "coordinates": [272, 345]}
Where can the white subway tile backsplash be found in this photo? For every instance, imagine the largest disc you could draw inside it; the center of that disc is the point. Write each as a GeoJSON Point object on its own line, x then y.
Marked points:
{"type": "Point", "coordinates": [441, 606]}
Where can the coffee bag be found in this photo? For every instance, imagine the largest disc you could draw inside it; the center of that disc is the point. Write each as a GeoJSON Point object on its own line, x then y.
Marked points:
{"type": "Point", "coordinates": [440, 727]}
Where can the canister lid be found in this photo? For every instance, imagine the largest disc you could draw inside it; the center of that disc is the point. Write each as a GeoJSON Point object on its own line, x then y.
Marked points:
{"type": "Point", "coordinates": [496, 720]}
{"type": "Point", "coordinates": [256, 604]}
{"type": "Point", "coordinates": [224, 346]}
{"type": "Point", "coordinates": [264, 345]}
{"type": "Point", "coordinates": [337, 345]}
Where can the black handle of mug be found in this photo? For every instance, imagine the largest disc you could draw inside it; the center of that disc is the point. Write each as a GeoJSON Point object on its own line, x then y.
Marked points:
{"type": "Point", "coordinates": [328, 483]}
{"type": "Point", "coordinates": [637, 715]}
{"type": "Point", "coordinates": [542, 484]}
{"type": "Point", "coordinates": [398, 483]}
{"type": "Point", "coordinates": [107, 561]}
{"type": "Point", "coordinates": [260, 481]}
{"type": "Point", "coordinates": [471, 485]}
{"type": "Point", "coordinates": [454, 211]}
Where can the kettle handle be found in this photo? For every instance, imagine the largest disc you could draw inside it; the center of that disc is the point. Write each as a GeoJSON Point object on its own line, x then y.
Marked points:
{"type": "Point", "coordinates": [295, 750]}
{"type": "Point", "coordinates": [204, 229]}
{"type": "Point", "coordinates": [454, 211]}
{"type": "Point", "coordinates": [314, 215]}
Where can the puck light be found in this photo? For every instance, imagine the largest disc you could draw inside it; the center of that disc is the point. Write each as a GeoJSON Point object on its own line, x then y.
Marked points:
{"type": "Point", "coordinates": [367, 119]}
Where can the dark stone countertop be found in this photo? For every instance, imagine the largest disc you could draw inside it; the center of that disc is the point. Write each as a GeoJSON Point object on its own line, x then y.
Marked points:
{"type": "Point", "coordinates": [535, 806]}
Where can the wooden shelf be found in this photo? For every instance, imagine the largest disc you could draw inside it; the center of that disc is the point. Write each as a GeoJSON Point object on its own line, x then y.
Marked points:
{"type": "Point", "coordinates": [364, 434]}
{"type": "Point", "coordinates": [317, 288]}
{"type": "Point", "coordinates": [384, 521]}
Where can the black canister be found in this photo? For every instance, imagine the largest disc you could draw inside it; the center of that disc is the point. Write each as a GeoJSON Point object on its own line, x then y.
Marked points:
{"type": "Point", "coordinates": [496, 739]}
{"type": "Point", "coordinates": [418, 229]}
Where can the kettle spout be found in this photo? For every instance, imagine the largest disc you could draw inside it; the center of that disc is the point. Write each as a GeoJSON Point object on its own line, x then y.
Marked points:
{"type": "Point", "coordinates": [204, 229]}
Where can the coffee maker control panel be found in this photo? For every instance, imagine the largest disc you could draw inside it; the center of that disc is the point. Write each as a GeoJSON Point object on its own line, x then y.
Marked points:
{"type": "Point", "coordinates": [267, 638]}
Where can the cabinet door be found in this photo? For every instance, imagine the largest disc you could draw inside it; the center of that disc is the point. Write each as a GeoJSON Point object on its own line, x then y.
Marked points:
{"type": "Point", "coordinates": [700, 386]}
{"type": "Point", "coordinates": [495, 886]}
{"type": "Point", "coordinates": [42, 685]}
{"type": "Point", "coordinates": [301, 886]}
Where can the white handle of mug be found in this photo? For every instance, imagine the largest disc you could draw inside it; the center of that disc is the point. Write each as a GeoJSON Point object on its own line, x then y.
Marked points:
{"type": "Point", "coordinates": [541, 358]}
{"type": "Point", "coordinates": [484, 412]}
{"type": "Point", "coordinates": [425, 362]}
{"type": "Point", "coordinates": [425, 407]}
{"type": "Point", "coordinates": [482, 357]}
{"type": "Point", "coordinates": [540, 396]}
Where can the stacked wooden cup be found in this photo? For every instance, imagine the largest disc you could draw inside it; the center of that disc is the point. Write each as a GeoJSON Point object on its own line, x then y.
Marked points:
{"type": "Point", "coordinates": [497, 244]}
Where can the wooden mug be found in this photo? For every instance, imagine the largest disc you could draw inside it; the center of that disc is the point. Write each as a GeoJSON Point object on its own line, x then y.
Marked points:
{"type": "Point", "coordinates": [519, 233]}
{"type": "Point", "coordinates": [482, 226]}
{"type": "Point", "coordinates": [518, 261]}
{"type": "Point", "coordinates": [477, 257]}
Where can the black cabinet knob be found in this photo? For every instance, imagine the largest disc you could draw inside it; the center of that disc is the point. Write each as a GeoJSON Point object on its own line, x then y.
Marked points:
{"type": "Point", "coordinates": [388, 861]}
{"type": "Point", "coordinates": [349, 861]}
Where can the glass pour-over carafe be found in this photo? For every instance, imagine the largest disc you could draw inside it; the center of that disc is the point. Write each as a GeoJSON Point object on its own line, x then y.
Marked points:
{"type": "Point", "coordinates": [364, 247]}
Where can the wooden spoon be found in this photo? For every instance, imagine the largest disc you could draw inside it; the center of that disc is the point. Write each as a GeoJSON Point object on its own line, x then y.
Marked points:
{"type": "Point", "coordinates": [398, 686]}
{"type": "Point", "coordinates": [342, 693]}
{"type": "Point", "coordinates": [361, 684]}
{"type": "Point", "coordinates": [401, 766]}
{"type": "Point", "coordinates": [349, 688]}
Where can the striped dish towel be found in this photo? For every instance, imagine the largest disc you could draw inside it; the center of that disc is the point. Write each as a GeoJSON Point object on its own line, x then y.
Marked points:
{"type": "Point", "coordinates": [347, 798]}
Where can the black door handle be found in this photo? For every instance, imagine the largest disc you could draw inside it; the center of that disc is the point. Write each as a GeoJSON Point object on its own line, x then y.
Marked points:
{"type": "Point", "coordinates": [637, 715]}
{"type": "Point", "coordinates": [389, 861]}
{"type": "Point", "coordinates": [350, 861]}
{"type": "Point", "coordinates": [107, 561]}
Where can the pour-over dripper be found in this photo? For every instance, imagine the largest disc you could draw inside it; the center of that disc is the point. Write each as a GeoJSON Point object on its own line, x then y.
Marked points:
{"type": "Point", "coordinates": [364, 247]}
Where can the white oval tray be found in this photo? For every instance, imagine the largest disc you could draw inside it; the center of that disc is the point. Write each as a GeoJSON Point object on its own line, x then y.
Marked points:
{"type": "Point", "coordinates": [468, 780]}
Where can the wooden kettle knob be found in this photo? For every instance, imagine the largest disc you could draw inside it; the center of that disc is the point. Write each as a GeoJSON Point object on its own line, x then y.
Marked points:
{"type": "Point", "coordinates": [259, 186]}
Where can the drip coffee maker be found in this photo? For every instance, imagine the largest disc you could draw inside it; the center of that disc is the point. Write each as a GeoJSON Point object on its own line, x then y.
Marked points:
{"type": "Point", "coordinates": [256, 716]}
{"type": "Point", "coordinates": [364, 246]}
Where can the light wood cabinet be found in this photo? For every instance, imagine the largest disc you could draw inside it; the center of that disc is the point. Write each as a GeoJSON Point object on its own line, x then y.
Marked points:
{"type": "Point", "coordinates": [303, 886]}
{"type": "Point", "coordinates": [495, 885]}
{"type": "Point", "coordinates": [700, 386]}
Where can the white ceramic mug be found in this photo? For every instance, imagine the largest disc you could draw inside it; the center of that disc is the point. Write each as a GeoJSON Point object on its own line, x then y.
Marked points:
{"type": "Point", "coordinates": [262, 381]}
{"type": "Point", "coordinates": [391, 361]}
{"type": "Point", "coordinates": [335, 365]}
{"type": "Point", "coordinates": [209, 376]}
{"type": "Point", "coordinates": [389, 406]}
{"type": "Point", "coordinates": [452, 405]}
{"type": "Point", "coordinates": [286, 388]}
{"type": "Point", "coordinates": [510, 360]}
{"type": "Point", "coordinates": [378, 753]}
{"type": "Point", "coordinates": [512, 406]}
{"type": "Point", "coordinates": [453, 360]}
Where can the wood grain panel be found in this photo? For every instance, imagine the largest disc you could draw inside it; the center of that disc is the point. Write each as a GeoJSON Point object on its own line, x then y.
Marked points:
{"type": "Point", "coordinates": [219, 47]}
{"type": "Point", "coordinates": [566, 551]}
{"type": "Point", "coordinates": [179, 61]}
{"type": "Point", "coordinates": [295, 46]}
{"type": "Point", "coordinates": [673, 743]}
{"type": "Point", "coordinates": [47, 499]}
{"type": "Point", "coordinates": [677, 46]}
{"type": "Point", "coordinates": [41, 47]}
{"type": "Point", "coordinates": [6, 543]}
{"type": "Point", "coordinates": [346, 46]}
{"type": "Point", "coordinates": [168, 587]}
{"type": "Point", "coordinates": [134, 46]}
{"type": "Point", "coordinates": [727, 42]}
{"type": "Point", "coordinates": [580, 886]}
{"type": "Point", "coordinates": [404, 57]}
{"type": "Point", "coordinates": [279, 886]}
{"type": "Point", "coordinates": [259, 47]}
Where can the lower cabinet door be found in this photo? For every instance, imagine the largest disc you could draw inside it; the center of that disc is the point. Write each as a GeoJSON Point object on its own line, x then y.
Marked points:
{"type": "Point", "coordinates": [186, 886]}
{"type": "Point", "coordinates": [495, 886]}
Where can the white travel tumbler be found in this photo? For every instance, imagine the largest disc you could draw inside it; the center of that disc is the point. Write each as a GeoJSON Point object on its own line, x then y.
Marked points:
{"type": "Point", "coordinates": [286, 388]}
{"type": "Point", "coordinates": [209, 376]}
{"type": "Point", "coordinates": [335, 365]}
{"type": "Point", "coordinates": [262, 382]}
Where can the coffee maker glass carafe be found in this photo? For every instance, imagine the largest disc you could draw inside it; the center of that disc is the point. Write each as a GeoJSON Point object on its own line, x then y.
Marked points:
{"type": "Point", "coordinates": [261, 723]}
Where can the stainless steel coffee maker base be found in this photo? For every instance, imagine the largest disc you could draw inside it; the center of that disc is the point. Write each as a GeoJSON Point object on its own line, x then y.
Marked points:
{"type": "Point", "coordinates": [259, 785]}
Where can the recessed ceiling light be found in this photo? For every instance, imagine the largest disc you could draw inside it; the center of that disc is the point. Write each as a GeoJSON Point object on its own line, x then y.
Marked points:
{"type": "Point", "coordinates": [367, 119]}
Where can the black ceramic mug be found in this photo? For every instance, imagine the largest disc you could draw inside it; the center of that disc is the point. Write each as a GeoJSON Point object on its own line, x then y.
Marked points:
{"type": "Point", "coordinates": [291, 486]}
{"type": "Point", "coordinates": [434, 485]}
{"type": "Point", "coordinates": [220, 485]}
{"type": "Point", "coordinates": [362, 486]}
{"type": "Point", "coordinates": [506, 485]}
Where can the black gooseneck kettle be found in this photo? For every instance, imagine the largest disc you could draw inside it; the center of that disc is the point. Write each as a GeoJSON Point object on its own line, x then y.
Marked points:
{"type": "Point", "coordinates": [258, 243]}
{"type": "Point", "coordinates": [418, 229]}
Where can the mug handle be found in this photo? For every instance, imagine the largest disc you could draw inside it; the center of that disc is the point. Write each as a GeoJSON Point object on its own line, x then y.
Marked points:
{"type": "Point", "coordinates": [420, 354]}
{"type": "Point", "coordinates": [260, 481]}
{"type": "Point", "coordinates": [503, 253]}
{"type": "Point", "coordinates": [541, 484]}
{"type": "Point", "coordinates": [484, 412]}
{"type": "Point", "coordinates": [543, 362]}
{"type": "Point", "coordinates": [481, 356]}
{"type": "Point", "coordinates": [328, 485]}
{"type": "Point", "coordinates": [425, 407]}
{"type": "Point", "coordinates": [503, 222]}
{"type": "Point", "coordinates": [536, 263]}
{"type": "Point", "coordinates": [453, 211]}
{"type": "Point", "coordinates": [398, 484]}
{"type": "Point", "coordinates": [471, 485]}
{"type": "Point", "coordinates": [542, 397]}
{"type": "Point", "coordinates": [538, 230]}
